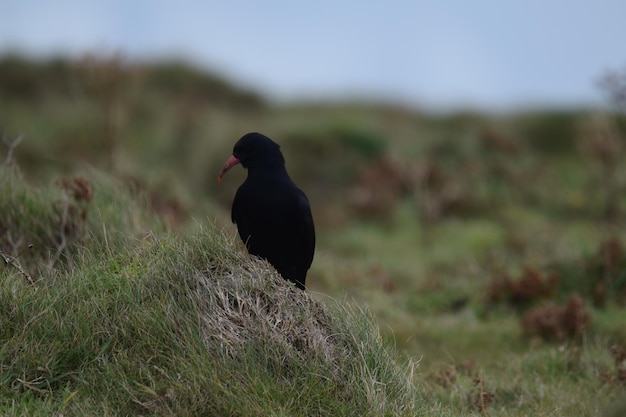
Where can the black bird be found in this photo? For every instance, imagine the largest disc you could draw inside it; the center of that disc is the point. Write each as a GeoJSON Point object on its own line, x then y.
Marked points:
{"type": "Point", "coordinates": [272, 214]}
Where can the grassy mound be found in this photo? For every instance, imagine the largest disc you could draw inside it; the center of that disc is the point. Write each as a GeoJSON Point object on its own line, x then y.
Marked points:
{"type": "Point", "coordinates": [44, 228]}
{"type": "Point", "coordinates": [176, 326]}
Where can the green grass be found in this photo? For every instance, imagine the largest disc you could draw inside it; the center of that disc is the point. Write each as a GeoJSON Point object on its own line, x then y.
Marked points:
{"type": "Point", "coordinates": [186, 325]}
{"type": "Point", "coordinates": [142, 306]}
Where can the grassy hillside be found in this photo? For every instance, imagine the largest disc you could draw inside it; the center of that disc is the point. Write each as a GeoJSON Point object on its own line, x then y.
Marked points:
{"type": "Point", "coordinates": [488, 248]}
{"type": "Point", "coordinates": [133, 322]}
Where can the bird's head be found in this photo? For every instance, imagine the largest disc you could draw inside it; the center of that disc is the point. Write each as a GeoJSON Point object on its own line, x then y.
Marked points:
{"type": "Point", "coordinates": [253, 151]}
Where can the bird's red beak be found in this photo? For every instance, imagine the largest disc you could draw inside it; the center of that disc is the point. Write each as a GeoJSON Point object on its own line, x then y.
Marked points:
{"type": "Point", "coordinates": [232, 161]}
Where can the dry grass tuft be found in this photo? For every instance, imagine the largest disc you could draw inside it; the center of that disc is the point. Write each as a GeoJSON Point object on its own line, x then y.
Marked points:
{"type": "Point", "coordinates": [533, 285]}
{"type": "Point", "coordinates": [245, 306]}
{"type": "Point", "coordinates": [481, 397]}
{"type": "Point", "coordinates": [558, 323]}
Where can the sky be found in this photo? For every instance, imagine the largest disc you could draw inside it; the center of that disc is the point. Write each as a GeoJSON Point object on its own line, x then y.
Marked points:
{"type": "Point", "coordinates": [440, 54]}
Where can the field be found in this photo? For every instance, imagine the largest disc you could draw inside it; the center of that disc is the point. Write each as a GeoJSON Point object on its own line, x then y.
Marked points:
{"type": "Point", "coordinates": [467, 263]}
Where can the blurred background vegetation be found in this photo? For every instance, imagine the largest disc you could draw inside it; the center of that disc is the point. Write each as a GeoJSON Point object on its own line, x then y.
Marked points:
{"type": "Point", "coordinates": [458, 229]}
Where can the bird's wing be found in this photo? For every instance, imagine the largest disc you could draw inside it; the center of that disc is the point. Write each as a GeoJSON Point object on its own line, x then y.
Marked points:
{"type": "Point", "coordinates": [306, 231]}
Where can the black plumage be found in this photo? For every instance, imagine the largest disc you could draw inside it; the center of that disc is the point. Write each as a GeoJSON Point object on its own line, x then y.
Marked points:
{"type": "Point", "coordinates": [272, 214]}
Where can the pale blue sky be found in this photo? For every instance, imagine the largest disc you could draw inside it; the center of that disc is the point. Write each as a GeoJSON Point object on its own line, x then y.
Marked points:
{"type": "Point", "coordinates": [487, 53]}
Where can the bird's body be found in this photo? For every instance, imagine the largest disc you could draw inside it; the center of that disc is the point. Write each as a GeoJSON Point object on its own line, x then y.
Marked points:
{"type": "Point", "coordinates": [272, 214]}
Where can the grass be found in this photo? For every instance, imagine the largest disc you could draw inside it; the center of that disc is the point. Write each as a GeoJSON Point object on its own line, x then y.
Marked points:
{"type": "Point", "coordinates": [140, 306]}
{"type": "Point", "coordinates": [186, 325]}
